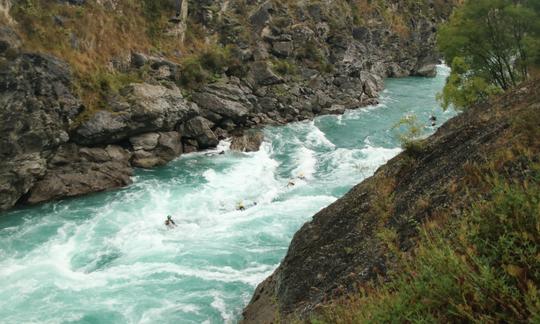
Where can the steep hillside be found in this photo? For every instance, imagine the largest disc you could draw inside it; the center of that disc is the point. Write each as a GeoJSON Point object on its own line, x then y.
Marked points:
{"type": "Point", "coordinates": [121, 83]}
{"type": "Point", "coordinates": [482, 163]}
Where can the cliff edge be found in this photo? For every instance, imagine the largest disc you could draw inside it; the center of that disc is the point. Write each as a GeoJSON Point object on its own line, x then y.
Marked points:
{"type": "Point", "coordinates": [342, 248]}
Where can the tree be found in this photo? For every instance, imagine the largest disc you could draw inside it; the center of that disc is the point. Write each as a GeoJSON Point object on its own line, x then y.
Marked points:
{"type": "Point", "coordinates": [491, 45]}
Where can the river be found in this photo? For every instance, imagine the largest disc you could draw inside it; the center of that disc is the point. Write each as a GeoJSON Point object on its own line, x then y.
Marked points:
{"type": "Point", "coordinates": [108, 258]}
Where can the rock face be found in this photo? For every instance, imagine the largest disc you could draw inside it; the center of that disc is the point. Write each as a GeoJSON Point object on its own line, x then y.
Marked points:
{"type": "Point", "coordinates": [141, 108]}
{"type": "Point", "coordinates": [155, 149]}
{"type": "Point", "coordinates": [199, 129]}
{"type": "Point", "coordinates": [75, 171]}
{"type": "Point", "coordinates": [37, 107]}
{"type": "Point", "coordinates": [249, 141]}
{"type": "Point", "coordinates": [341, 248]}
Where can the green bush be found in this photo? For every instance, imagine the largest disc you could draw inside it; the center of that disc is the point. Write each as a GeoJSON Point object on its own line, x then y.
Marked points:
{"type": "Point", "coordinates": [208, 65]}
{"type": "Point", "coordinates": [192, 74]}
{"type": "Point", "coordinates": [492, 46]}
{"type": "Point", "coordinates": [284, 67]}
{"type": "Point", "coordinates": [409, 132]}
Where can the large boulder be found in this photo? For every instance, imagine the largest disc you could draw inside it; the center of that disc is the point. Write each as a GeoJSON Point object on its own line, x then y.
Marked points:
{"type": "Point", "coordinates": [249, 141]}
{"type": "Point", "coordinates": [372, 84]}
{"type": "Point", "coordinates": [146, 142]}
{"type": "Point", "coordinates": [141, 108]}
{"type": "Point", "coordinates": [200, 130]}
{"type": "Point", "coordinates": [37, 108]}
{"type": "Point", "coordinates": [155, 149]}
{"type": "Point", "coordinates": [261, 75]}
{"type": "Point", "coordinates": [225, 101]}
{"type": "Point", "coordinates": [282, 49]}
{"type": "Point", "coordinates": [18, 175]}
{"type": "Point", "coordinates": [75, 171]}
{"type": "Point", "coordinates": [427, 70]}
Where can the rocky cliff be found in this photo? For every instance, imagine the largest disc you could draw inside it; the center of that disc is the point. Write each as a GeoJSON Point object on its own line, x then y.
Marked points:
{"type": "Point", "coordinates": [342, 248]}
{"type": "Point", "coordinates": [79, 120]}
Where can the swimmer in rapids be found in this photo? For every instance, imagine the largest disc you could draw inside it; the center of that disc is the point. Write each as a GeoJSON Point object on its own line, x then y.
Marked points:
{"type": "Point", "coordinates": [291, 184]}
{"type": "Point", "coordinates": [301, 176]}
{"type": "Point", "coordinates": [241, 206]}
{"type": "Point", "coordinates": [170, 223]}
{"type": "Point", "coordinates": [433, 120]}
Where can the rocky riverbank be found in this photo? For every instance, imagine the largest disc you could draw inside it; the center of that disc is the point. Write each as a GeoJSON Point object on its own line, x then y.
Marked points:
{"type": "Point", "coordinates": [343, 249]}
{"type": "Point", "coordinates": [290, 63]}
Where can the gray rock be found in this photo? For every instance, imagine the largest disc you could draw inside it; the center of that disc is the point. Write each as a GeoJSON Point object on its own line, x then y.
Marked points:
{"type": "Point", "coordinates": [155, 149]}
{"type": "Point", "coordinates": [222, 107]}
{"type": "Point", "coordinates": [334, 110]}
{"type": "Point", "coordinates": [200, 130]}
{"type": "Point", "coordinates": [142, 108]}
{"type": "Point", "coordinates": [262, 75]}
{"type": "Point", "coordinates": [428, 70]}
{"type": "Point", "coordinates": [75, 171]}
{"type": "Point", "coordinates": [249, 141]}
{"type": "Point", "coordinates": [261, 15]}
{"type": "Point", "coordinates": [170, 145]}
{"type": "Point", "coordinates": [18, 175]}
{"type": "Point", "coordinates": [146, 160]}
{"type": "Point", "coordinates": [371, 84]}
{"type": "Point", "coordinates": [282, 49]}
{"type": "Point", "coordinates": [138, 60]}
{"type": "Point", "coordinates": [146, 142]}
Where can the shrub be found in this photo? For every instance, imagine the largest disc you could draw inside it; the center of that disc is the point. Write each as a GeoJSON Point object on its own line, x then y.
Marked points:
{"type": "Point", "coordinates": [492, 45]}
{"type": "Point", "coordinates": [284, 67]}
{"type": "Point", "coordinates": [410, 131]}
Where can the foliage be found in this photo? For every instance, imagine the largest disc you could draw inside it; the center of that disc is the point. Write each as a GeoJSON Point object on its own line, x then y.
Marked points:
{"type": "Point", "coordinates": [463, 90]}
{"type": "Point", "coordinates": [410, 131]}
{"type": "Point", "coordinates": [154, 12]}
{"type": "Point", "coordinates": [492, 45]}
{"type": "Point", "coordinates": [312, 55]}
{"type": "Point", "coordinates": [209, 63]}
{"type": "Point", "coordinates": [480, 268]}
{"type": "Point", "coordinates": [284, 67]}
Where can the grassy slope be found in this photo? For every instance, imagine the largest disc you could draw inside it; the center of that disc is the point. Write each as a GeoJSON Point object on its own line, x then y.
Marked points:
{"type": "Point", "coordinates": [478, 259]}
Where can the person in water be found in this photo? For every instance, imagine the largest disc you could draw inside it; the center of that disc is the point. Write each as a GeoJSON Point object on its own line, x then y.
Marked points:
{"type": "Point", "coordinates": [291, 184]}
{"type": "Point", "coordinates": [433, 120]}
{"type": "Point", "coordinates": [301, 176]}
{"type": "Point", "coordinates": [169, 222]}
{"type": "Point", "coordinates": [241, 206]}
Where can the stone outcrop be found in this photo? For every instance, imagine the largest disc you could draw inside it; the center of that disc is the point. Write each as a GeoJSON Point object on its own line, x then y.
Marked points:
{"type": "Point", "coordinates": [341, 248]}
{"type": "Point", "coordinates": [140, 108]}
{"type": "Point", "coordinates": [155, 149]}
{"type": "Point", "coordinates": [250, 141]}
{"type": "Point", "coordinates": [74, 171]}
{"type": "Point", "coordinates": [199, 129]}
{"type": "Point", "coordinates": [37, 107]}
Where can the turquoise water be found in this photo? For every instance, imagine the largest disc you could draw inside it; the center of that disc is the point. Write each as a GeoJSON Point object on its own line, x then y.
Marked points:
{"type": "Point", "coordinates": [108, 258]}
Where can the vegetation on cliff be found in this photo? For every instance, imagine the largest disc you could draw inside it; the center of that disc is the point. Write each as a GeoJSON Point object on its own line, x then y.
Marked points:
{"type": "Point", "coordinates": [492, 45]}
{"type": "Point", "coordinates": [475, 265]}
{"type": "Point", "coordinates": [96, 38]}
